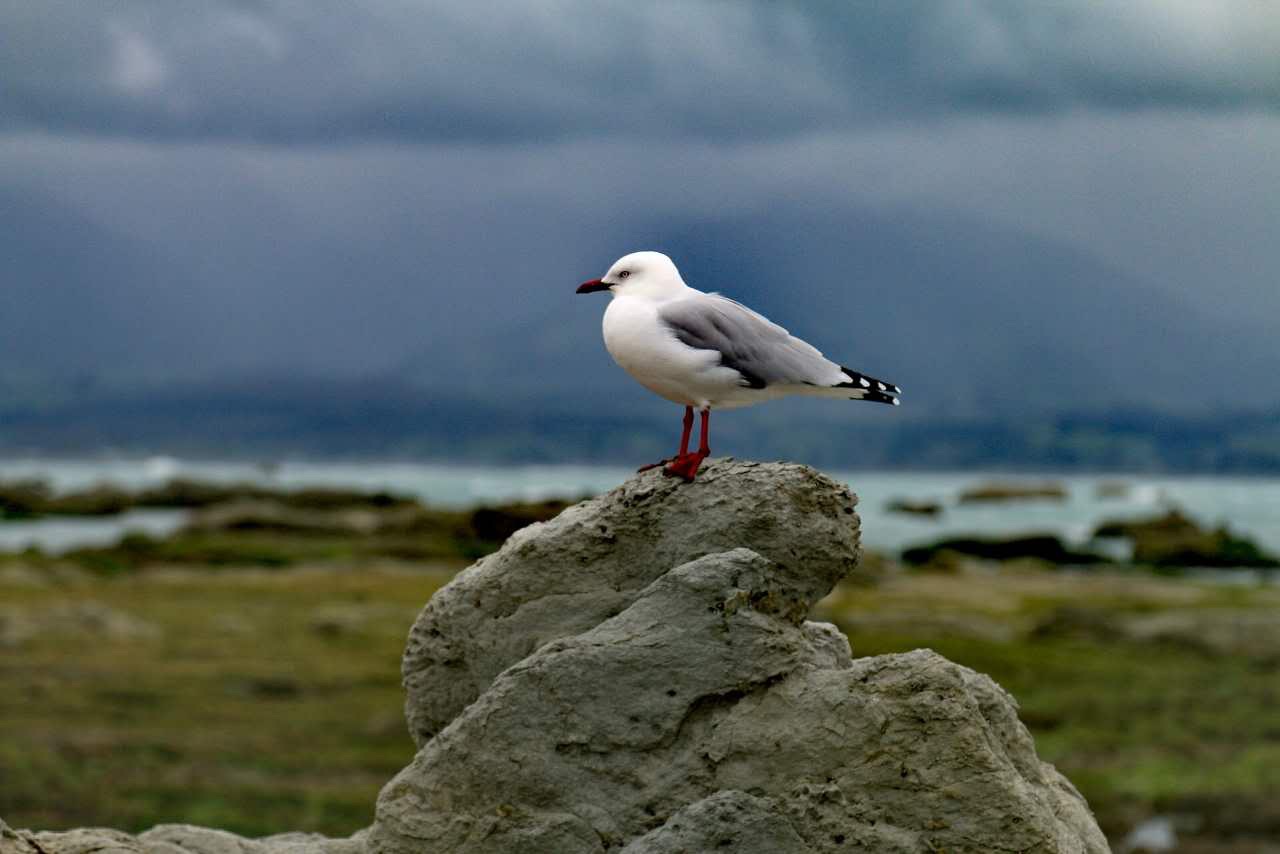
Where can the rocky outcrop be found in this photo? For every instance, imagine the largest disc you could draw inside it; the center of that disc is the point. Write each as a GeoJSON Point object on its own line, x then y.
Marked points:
{"type": "Point", "coordinates": [560, 578]}
{"type": "Point", "coordinates": [638, 675]}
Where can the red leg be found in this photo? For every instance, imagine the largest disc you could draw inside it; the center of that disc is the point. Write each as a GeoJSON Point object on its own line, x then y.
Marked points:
{"type": "Point", "coordinates": [686, 465]}
{"type": "Point", "coordinates": [684, 441]}
{"type": "Point", "coordinates": [688, 428]}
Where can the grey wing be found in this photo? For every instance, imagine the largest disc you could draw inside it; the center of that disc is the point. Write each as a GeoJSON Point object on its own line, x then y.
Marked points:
{"type": "Point", "coordinates": [761, 351]}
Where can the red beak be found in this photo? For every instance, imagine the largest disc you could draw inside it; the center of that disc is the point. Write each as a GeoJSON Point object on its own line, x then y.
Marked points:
{"type": "Point", "coordinates": [593, 286]}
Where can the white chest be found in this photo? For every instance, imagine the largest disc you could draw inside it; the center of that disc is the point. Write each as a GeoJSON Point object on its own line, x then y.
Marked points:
{"type": "Point", "coordinates": [634, 336]}
{"type": "Point", "coordinates": [643, 346]}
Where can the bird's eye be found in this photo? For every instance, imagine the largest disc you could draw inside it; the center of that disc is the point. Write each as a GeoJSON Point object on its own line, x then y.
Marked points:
{"type": "Point", "coordinates": [624, 274]}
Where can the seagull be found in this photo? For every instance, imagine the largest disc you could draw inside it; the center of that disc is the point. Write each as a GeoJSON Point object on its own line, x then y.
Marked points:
{"type": "Point", "coordinates": [706, 351]}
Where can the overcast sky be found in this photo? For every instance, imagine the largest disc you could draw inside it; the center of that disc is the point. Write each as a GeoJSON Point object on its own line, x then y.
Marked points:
{"type": "Point", "coordinates": [341, 187]}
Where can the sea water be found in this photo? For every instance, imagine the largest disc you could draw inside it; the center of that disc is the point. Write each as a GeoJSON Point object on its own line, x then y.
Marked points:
{"type": "Point", "coordinates": [1248, 506]}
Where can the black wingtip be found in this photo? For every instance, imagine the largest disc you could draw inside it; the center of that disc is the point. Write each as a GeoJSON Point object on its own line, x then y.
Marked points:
{"type": "Point", "coordinates": [869, 385]}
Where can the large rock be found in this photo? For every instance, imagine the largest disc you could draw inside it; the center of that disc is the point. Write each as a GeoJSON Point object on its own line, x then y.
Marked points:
{"type": "Point", "coordinates": [631, 682]}
{"type": "Point", "coordinates": [559, 578]}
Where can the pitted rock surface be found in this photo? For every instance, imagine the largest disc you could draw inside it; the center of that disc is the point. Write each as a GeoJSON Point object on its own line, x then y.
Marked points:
{"type": "Point", "coordinates": [562, 577]}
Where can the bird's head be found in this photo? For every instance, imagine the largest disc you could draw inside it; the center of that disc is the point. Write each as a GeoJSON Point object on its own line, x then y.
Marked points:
{"type": "Point", "coordinates": [647, 274]}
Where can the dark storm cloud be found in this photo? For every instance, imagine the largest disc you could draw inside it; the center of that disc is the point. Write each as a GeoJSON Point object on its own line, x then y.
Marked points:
{"type": "Point", "coordinates": [926, 159]}
{"type": "Point", "coordinates": [456, 263]}
{"type": "Point", "coordinates": [322, 70]}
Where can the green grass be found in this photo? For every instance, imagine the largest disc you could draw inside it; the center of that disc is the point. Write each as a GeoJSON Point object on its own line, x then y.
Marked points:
{"type": "Point", "coordinates": [218, 549]}
{"type": "Point", "coordinates": [248, 712]}
{"type": "Point", "coordinates": [270, 700]}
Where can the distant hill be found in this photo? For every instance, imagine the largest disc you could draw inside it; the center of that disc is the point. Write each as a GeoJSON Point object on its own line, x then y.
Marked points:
{"type": "Point", "coordinates": [262, 419]}
{"type": "Point", "coordinates": [974, 321]}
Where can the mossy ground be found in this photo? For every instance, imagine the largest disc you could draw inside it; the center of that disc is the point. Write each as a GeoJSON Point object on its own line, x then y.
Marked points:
{"type": "Point", "coordinates": [251, 710]}
{"type": "Point", "coordinates": [270, 700]}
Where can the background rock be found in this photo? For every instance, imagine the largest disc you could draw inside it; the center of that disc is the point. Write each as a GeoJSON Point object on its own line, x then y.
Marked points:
{"type": "Point", "coordinates": [170, 839]}
{"type": "Point", "coordinates": [89, 840]}
{"type": "Point", "coordinates": [86, 620]}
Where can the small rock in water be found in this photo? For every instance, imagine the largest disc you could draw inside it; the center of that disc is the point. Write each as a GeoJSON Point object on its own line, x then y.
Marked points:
{"type": "Point", "coordinates": [1013, 491]}
{"type": "Point", "coordinates": [908, 507]}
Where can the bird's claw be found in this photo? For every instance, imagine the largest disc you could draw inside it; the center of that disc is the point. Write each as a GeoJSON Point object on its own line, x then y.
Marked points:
{"type": "Point", "coordinates": [684, 466]}
{"type": "Point", "coordinates": [652, 465]}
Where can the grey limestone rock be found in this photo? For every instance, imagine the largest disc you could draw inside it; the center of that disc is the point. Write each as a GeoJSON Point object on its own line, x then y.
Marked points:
{"type": "Point", "coordinates": [680, 701]}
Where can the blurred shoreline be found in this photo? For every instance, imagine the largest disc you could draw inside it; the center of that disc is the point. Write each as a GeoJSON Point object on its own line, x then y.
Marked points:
{"type": "Point", "coordinates": [1249, 506]}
